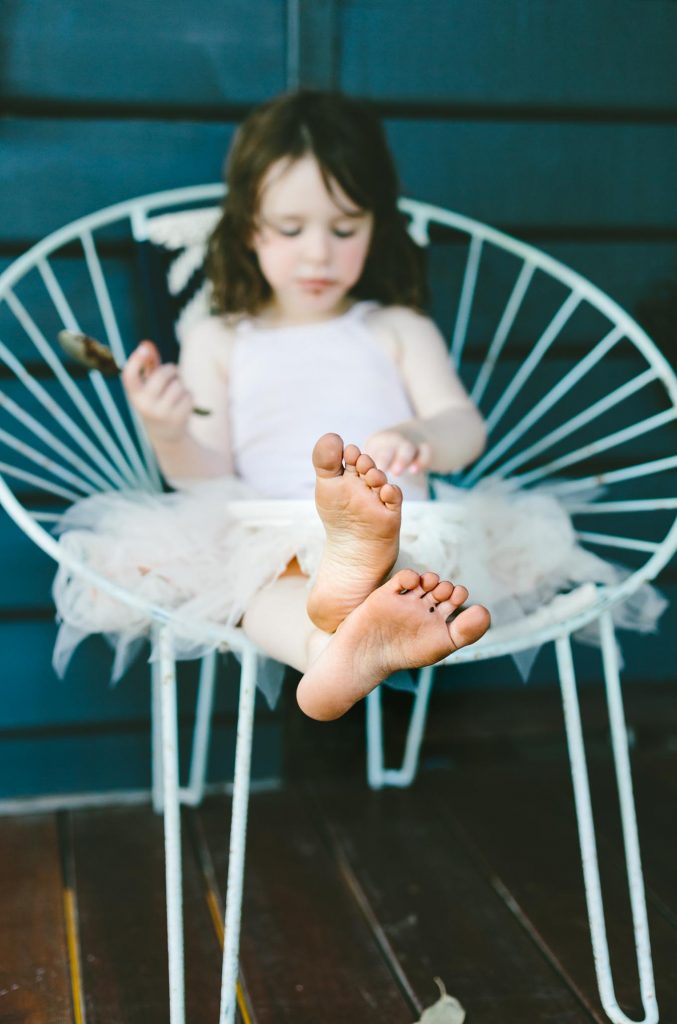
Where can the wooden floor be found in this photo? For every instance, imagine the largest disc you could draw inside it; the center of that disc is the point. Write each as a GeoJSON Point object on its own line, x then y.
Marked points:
{"type": "Point", "coordinates": [355, 900]}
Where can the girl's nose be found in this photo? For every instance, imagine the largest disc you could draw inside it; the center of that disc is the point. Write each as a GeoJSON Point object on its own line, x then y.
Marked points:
{"type": "Point", "coordinates": [318, 245]}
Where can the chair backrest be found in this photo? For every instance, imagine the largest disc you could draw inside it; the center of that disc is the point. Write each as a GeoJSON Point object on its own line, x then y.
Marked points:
{"type": "Point", "coordinates": [575, 394]}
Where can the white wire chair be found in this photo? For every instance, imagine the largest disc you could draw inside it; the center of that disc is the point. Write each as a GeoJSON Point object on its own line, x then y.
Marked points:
{"type": "Point", "coordinates": [69, 434]}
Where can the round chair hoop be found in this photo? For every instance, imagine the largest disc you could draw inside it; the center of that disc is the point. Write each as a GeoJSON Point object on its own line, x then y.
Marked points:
{"type": "Point", "coordinates": [87, 439]}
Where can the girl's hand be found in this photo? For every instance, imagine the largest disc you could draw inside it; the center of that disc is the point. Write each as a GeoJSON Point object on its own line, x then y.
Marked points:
{"type": "Point", "coordinates": [157, 393]}
{"type": "Point", "coordinates": [394, 452]}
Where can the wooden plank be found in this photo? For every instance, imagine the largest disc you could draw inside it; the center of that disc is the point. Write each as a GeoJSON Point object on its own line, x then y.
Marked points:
{"type": "Point", "coordinates": [655, 788]}
{"type": "Point", "coordinates": [468, 719]}
{"type": "Point", "coordinates": [609, 54]}
{"type": "Point", "coordinates": [85, 695]}
{"type": "Point", "coordinates": [35, 763]}
{"type": "Point", "coordinates": [307, 954]}
{"type": "Point", "coordinates": [633, 274]}
{"type": "Point", "coordinates": [34, 966]}
{"type": "Point", "coordinates": [598, 175]}
{"type": "Point", "coordinates": [551, 173]}
{"type": "Point", "coordinates": [120, 892]}
{"type": "Point", "coordinates": [200, 53]}
{"type": "Point", "coordinates": [519, 816]}
{"type": "Point", "coordinates": [92, 164]}
{"type": "Point", "coordinates": [27, 572]}
{"type": "Point", "coordinates": [439, 914]}
{"type": "Point", "coordinates": [478, 721]}
{"type": "Point", "coordinates": [313, 44]}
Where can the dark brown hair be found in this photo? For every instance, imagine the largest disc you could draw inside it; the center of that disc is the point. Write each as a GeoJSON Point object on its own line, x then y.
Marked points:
{"type": "Point", "coordinates": [349, 145]}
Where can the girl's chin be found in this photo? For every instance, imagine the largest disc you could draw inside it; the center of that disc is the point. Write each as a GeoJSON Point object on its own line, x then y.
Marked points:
{"type": "Point", "coordinates": [322, 304]}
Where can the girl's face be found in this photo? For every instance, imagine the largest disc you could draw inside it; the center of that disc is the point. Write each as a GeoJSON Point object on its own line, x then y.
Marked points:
{"type": "Point", "coordinates": [311, 244]}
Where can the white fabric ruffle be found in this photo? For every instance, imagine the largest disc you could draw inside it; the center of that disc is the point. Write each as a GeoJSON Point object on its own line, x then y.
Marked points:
{"type": "Point", "coordinates": [205, 552]}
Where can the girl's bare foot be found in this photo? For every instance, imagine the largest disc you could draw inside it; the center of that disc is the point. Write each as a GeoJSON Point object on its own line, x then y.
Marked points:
{"type": "Point", "coordinates": [361, 513]}
{"type": "Point", "coordinates": [406, 623]}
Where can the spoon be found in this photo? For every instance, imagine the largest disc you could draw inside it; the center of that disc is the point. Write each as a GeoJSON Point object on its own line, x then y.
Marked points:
{"type": "Point", "coordinates": [96, 356]}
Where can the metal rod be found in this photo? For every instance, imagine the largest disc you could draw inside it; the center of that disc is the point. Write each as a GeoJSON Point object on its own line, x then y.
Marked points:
{"type": "Point", "coordinates": [562, 388]}
{"type": "Point", "coordinates": [374, 739]}
{"type": "Point", "coordinates": [466, 299]}
{"type": "Point", "coordinates": [495, 348]}
{"type": "Point", "coordinates": [201, 734]}
{"type": "Point", "coordinates": [36, 428]}
{"type": "Point", "coordinates": [38, 481]}
{"type": "Point", "coordinates": [593, 411]}
{"type": "Point", "coordinates": [70, 322]}
{"type": "Point", "coordinates": [586, 832]}
{"type": "Point", "coordinates": [405, 775]}
{"type": "Point", "coordinates": [611, 541]}
{"type": "Point", "coordinates": [238, 831]}
{"type": "Point", "coordinates": [156, 724]}
{"type": "Point", "coordinates": [57, 413]}
{"type": "Point", "coordinates": [601, 445]}
{"type": "Point", "coordinates": [149, 469]}
{"type": "Point", "coordinates": [638, 505]}
{"type": "Point", "coordinates": [617, 475]}
{"type": "Point", "coordinates": [172, 821]}
{"type": "Point", "coordinates": [533, 359]}
{"type": "Point", "coordinates": [619, 741]}
{"type": "Point", "coordinates": [45, 462]}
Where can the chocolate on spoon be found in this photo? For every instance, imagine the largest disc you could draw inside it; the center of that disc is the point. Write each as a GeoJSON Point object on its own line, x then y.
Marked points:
{"type": "Point", "coordinates": [96, 356]}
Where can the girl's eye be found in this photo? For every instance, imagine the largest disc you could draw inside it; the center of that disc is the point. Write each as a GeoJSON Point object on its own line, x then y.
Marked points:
{"type": "Point", "coordinates": [344, 232]}
{"type": "Point", "coordinates": [289, 232]}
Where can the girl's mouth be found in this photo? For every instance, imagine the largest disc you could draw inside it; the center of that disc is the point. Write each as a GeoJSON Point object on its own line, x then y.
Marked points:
{"type": "Point", "coordinates": [315, 283]}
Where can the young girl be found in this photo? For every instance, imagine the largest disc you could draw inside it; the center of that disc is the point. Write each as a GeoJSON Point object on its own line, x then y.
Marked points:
{"type": "Point", "coordinates": [310, 230]}
{"type": "Point", "coordinates": [316, 336]}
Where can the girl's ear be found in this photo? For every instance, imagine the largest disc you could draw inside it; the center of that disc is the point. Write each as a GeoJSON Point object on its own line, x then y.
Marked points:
{"type": "Point", "coordinates": [253, 239]}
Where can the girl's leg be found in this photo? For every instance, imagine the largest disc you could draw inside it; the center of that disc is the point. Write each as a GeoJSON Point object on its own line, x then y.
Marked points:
{"type": "Point", "coordinates": [277, 621]}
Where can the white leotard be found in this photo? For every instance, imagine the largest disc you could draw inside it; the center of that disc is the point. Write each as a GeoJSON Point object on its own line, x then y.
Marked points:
{"type": "Point", "coordinates": [290, 385]}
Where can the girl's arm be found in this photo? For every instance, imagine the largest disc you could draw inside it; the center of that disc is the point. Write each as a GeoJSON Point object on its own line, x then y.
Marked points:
{"type": "Point", "coordinates": [188, 446]}
{"type": "Point", "coordinates": [447, 431]}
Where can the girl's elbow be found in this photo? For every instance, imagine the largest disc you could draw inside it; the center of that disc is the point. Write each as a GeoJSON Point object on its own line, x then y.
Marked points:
{"type": "Point", "coordinates": [480, 437]}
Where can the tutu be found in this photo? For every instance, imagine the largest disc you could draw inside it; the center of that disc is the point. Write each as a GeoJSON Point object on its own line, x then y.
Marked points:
{"type": "Point", "coordinates": [205, 552]}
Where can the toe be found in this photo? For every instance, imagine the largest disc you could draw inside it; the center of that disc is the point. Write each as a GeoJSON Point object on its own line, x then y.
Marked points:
{"type": "Point", "coordinates": [429, 581]}
{"type": "Point", "coordinates": [375, 478]}
{"type": "Point", "coordinates": [328, 455]}
{"type": "Point", "coordinates": [391, 495]}
{"type": "Point", "coordinates": [364, 463]}
{"type": "Point", "coordinates": [469, 626]}
{"type": "Point", "coordinates": [459, 596]}
{"type": "Point", "coordinates": [351, 454]}
{"type": "Point", "coordinates": [405, 579]}
{"type": "Point", "coordinates": [443, 591]}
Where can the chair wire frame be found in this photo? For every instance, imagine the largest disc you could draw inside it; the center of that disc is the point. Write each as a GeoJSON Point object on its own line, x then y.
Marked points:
{"type": "Point", "coordinates": [66, 434]}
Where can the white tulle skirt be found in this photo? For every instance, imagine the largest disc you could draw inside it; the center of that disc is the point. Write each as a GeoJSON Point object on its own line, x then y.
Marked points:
{"type": "Point", "coordinates": [204, 553]}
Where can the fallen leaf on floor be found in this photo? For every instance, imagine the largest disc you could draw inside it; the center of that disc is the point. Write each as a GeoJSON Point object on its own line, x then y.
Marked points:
{"type": "Point", "coordinates": [446, 1010]}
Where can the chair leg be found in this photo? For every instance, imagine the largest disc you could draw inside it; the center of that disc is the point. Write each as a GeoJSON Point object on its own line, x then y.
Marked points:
{"type": "Point", "coordinates": [193, 793]}
{"type": "Point", "coordinates": [377, 775]}
{"type": "Point", "coordinates": [238, 831]}
{"type": "Point", "coordinates": [586, 830]}
{"type": "Point", "coordinates": [172, 824]}
{"type": "Point", "coordinates": [156, 732]}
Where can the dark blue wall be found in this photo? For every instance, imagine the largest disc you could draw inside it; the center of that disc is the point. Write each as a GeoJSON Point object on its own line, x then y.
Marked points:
{"type": "Point", "coordinates": [556, 121]}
